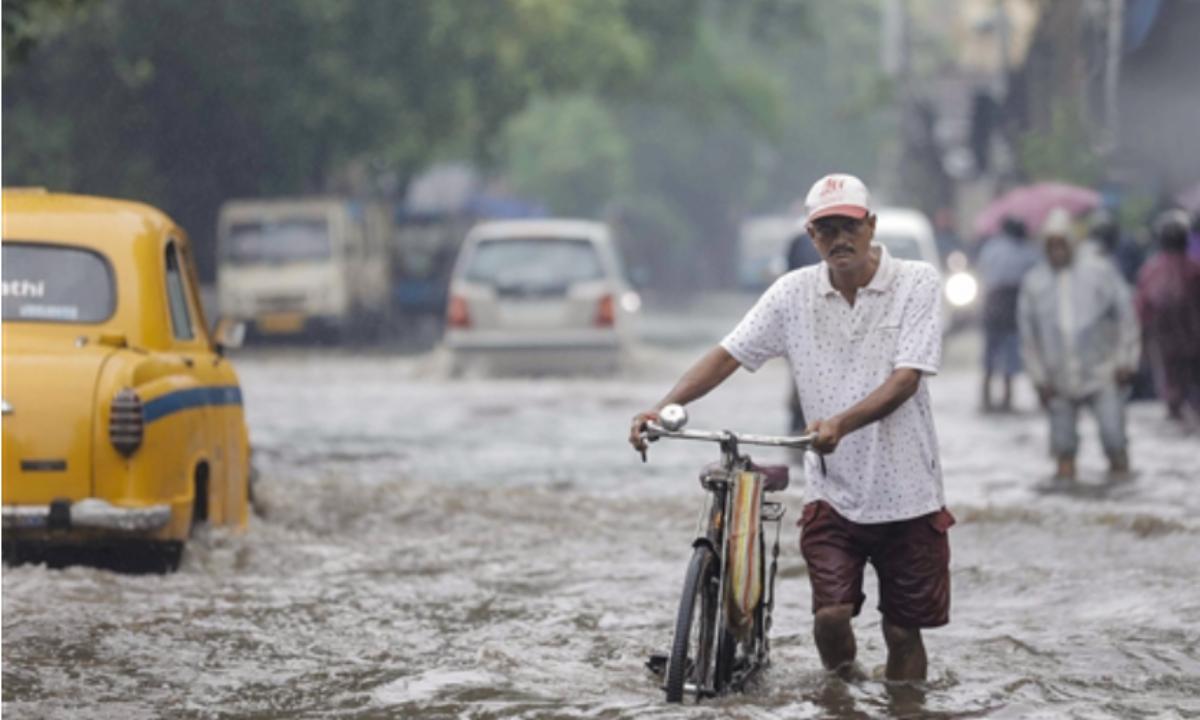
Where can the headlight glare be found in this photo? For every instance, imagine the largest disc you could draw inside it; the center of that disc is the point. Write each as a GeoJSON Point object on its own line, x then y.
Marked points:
{"type": "Point", "coordinates": [961, 289]}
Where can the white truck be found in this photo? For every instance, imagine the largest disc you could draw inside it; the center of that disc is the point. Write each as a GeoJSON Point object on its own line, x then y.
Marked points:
{"type": "Point", "coordinates": [318, 267]}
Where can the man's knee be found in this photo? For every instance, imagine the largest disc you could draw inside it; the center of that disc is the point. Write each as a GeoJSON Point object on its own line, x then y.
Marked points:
{"type": "Point", "coordinates": [898, 637]}
{"type": "Point", "coordinates": [833, 618]}
{"type": "Point", "coordinates": [834, 636]}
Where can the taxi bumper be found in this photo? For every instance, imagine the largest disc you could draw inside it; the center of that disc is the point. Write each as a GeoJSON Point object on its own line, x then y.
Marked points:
{"type": "Point", "coordinates": [89, 514]}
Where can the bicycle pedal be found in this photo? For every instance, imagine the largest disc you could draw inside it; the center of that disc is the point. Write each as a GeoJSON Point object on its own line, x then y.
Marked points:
{"type": "Point", "coordinates": [657, 664]}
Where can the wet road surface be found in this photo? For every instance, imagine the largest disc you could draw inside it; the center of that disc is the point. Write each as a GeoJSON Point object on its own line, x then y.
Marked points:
{"type": "Point", "coordinates": [484, 548]}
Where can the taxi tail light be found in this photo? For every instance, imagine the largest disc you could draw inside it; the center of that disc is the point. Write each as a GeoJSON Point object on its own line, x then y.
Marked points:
{"type": "Point", "coordinates": [606, 315]}
{"type": "Point", "coordinates": [457, 315]}
{"type": "Point", "coordinates": [126, 422]}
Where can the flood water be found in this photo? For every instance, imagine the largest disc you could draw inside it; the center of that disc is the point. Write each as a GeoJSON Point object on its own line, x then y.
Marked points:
{"type": "Point", "coordinates": [431, 548]}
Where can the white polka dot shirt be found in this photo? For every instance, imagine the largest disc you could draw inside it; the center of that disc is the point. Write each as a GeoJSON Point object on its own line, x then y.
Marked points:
{"type": "Point", "coordinates": [839, 354]}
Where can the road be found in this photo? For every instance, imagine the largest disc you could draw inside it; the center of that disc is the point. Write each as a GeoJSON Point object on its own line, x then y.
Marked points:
{"type": "Point", "coordinates": [485, 548]}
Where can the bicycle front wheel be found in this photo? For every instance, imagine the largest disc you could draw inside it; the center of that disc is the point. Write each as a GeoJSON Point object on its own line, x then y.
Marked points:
{"type": "Point", "coordinates": [691, 665]}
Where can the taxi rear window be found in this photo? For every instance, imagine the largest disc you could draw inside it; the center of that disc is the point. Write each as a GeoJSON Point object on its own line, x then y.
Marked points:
{"type": "Point", "coordinates": [54, 283]}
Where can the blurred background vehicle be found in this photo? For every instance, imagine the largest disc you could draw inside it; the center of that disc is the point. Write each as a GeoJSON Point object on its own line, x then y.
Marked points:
{"type": "Point", "coordinates": [122, 418]}
{"type": "Point", "coordinates": [439, 207]}
{"type": "Point", "coordinates": [762, 249]}
{"type": "Point", "coordinates": [292, 266]}
{"type": "Point", "coordinates": [539, 296]}
{"type": "Point", "coordinates": [908, 234]}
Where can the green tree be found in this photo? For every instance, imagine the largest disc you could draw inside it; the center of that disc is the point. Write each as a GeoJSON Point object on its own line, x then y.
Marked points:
{"type": "Point", "coordinates": [1064, 150]}
{"type": "Point", "coordinates": [187, 103]}
{"type": "Point", "coordinates": [570, 153]}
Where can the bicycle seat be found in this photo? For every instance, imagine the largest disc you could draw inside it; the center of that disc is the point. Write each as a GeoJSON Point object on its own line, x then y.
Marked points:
{"type": "Point", "coordinates": [775, 477]}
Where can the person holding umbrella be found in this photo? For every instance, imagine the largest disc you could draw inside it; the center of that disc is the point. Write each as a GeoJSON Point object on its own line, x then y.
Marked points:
{"type": "Point", "coordinates": [1080, 343]}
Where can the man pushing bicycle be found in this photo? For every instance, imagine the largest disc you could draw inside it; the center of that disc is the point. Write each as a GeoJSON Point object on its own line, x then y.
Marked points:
{"type": "Point", "coordinates": [861, 330]}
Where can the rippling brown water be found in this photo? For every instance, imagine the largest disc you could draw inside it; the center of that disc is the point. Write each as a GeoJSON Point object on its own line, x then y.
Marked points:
{"type": "Point", "coordinates": [491, 549]}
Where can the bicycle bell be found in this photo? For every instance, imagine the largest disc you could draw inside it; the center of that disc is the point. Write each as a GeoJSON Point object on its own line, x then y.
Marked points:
{"type": "Point", "coordinates": [673, 417]}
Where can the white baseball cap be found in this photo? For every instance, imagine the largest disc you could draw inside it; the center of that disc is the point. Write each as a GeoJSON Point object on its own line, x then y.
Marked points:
{"type": "Point", "coordinates": [838, 194]}
{"type": "Point", "coordinates": [1058, 224]}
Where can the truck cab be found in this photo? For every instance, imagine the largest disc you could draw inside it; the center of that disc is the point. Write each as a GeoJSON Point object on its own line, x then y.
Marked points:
{"type": "Point", "coordinates": [304, 266]}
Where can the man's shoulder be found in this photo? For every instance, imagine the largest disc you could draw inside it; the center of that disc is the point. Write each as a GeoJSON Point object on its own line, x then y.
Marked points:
{"type": "Point", "coordinates": [800, 277]}
{"type": "Point", "coordinates": [916, 271]}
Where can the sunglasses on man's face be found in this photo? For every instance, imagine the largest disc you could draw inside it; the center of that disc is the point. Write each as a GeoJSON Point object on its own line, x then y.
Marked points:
{"type": "Point", "coordinates": [831, 227]}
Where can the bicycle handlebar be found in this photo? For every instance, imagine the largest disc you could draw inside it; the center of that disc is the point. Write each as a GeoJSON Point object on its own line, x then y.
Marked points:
{"type": "Point", "coordinates": [655, 431]}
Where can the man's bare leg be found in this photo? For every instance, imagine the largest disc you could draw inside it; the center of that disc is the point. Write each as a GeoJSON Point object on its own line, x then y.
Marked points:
{"type": "Point", "coordinates": [906, 652]}
{"type": "Point", "coordinates": [835, 639]}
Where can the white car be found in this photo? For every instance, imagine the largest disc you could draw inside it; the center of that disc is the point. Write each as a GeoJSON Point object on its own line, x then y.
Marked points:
{"type": "Point", "coordinates": [762, 249]}
{"type": "Point", "coordinates": [536, 296]}
{"type": "Point", "coordinates": [907, 234]}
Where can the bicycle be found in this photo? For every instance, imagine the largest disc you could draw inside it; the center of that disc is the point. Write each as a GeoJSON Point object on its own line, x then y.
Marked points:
{"type": "Point", "coordinates": [708, 656]}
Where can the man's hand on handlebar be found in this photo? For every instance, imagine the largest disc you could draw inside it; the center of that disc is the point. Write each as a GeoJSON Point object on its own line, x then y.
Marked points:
{"type": "Point", "coordinates": [636, 438]}
{"type": "Point", "coordinates": [828, 433]}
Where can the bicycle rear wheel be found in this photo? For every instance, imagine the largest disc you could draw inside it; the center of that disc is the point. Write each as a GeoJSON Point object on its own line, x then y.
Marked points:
{"type": "Point", "coordinates": [691, 665]}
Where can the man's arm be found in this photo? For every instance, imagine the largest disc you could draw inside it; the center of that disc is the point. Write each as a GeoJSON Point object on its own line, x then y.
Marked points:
{"type": "Point", "coordinates": [708, 372]}
{"type": "Point", "coordinates": [883, 401]}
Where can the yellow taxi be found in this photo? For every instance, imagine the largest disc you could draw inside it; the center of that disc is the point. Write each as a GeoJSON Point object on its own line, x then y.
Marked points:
{"type": "Point", "coordinates": [122, 418]}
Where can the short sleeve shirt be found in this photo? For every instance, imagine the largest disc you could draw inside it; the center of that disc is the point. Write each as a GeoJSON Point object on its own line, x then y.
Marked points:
{"type": "Point", "coordinates": [887, 470]}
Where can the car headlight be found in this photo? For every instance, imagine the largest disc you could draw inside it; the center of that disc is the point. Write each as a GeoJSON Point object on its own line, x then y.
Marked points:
{"type": "Point", "coordinates": [961, 289]}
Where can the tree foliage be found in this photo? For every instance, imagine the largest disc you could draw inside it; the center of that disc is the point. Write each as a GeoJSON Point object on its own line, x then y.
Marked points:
{"type": "Point", "coordinates": [570, 153]}
{"type": "Point", "coordinates": [1064, 150]}
{"type": "Point", "coordinates": [675, 117]}
{"type": "Point", "coordinates": [184, 103]}
{"type": "Point", "coordinates": [751, 111]}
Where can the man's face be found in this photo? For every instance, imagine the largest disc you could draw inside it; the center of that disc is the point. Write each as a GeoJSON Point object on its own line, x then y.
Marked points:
{"type": "Point", "coordinates": [844, 242]}
{"type": "Point", "coordinates": [1058, 251]}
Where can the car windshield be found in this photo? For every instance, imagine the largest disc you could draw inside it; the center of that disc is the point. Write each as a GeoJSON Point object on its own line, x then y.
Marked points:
{"type": "Point", "coordinates": [900, 245]}
{"type": "Point", "coordinates": [55, 283]}
{"type": "Point", "coordinates": [277, 242]}
{"type": "Point", "coordinates": [534, 262]}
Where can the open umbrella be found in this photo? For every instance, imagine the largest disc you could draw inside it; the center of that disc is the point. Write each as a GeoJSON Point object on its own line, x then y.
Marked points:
{"type": "Point", "coordinates": [1031, 204]}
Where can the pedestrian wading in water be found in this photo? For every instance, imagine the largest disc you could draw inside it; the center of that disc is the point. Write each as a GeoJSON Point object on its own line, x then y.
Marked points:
{"type": "Point", "coordinates": [862, 332]}
{"type": "Point", "coordinates": [1079, 340]}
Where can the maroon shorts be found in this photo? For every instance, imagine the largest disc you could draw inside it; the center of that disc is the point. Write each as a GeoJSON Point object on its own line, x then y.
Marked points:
{"type": "Point", "coordinates": [910, 557]}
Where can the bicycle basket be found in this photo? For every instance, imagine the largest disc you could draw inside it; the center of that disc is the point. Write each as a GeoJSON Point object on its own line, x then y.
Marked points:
{"type": "Point", "coordinates": [744, 586]}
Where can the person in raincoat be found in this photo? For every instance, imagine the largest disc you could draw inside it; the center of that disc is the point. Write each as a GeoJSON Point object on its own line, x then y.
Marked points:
{"type": "Point", "coordinates": [1168, 304]}
{"type": "Point", "coordinates": [1080, 343]}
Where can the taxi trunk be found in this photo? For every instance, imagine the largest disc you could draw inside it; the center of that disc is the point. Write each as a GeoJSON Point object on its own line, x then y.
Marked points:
{"type": "Point", "coordinates": [48, 433]}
